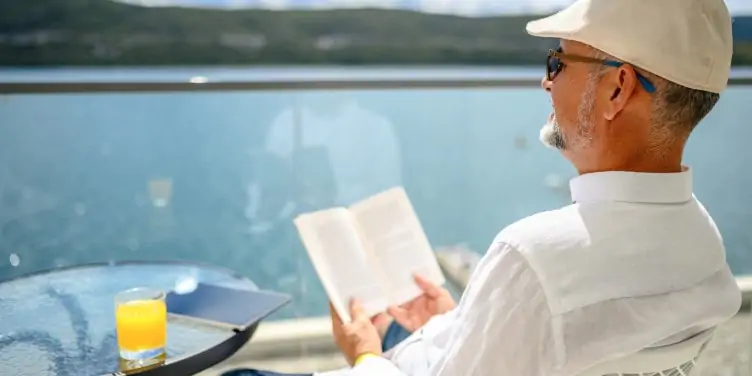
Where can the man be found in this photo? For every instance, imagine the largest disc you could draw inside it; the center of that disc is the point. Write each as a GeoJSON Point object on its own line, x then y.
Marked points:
{"type": "Point", "coordinates": [635, 262]}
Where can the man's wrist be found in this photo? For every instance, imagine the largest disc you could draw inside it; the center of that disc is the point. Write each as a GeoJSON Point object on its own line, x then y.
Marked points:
{"type": "Point", "coordinates": [364, 356]}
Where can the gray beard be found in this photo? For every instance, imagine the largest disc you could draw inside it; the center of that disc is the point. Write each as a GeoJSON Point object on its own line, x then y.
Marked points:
{"type": "Point", "coordinates": [551, 135]}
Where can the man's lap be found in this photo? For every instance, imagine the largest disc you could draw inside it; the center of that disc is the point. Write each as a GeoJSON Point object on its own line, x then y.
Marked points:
{"type": "Point", "coordinates": [253, 372]}
{"type": "Point", "coordinates": [393, 336]}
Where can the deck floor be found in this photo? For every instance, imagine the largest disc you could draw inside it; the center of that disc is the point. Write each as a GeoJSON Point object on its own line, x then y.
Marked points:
{"type": "Point", "coordinates": [727, 355]}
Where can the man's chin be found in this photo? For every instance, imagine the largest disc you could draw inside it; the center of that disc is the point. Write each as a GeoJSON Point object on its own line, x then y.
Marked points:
{"type": "Point", "coordinates": [550, 135]}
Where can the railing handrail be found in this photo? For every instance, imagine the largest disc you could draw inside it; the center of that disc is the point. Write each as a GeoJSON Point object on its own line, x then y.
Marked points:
{"type": "Point", "coordinates": [297, 85]}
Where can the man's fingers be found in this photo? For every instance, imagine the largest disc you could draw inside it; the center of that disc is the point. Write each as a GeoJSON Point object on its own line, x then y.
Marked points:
{"type": "Point", "coordinates": [336, 320]}
{"type": "Point", "coordinates": [379, 317]}
{"type": "Point", "coordinates": [400, 315]}
{"type": "Point", "coordinates": [357, 312]}
{"type": "Point", "coordinates": [427, 286]}
{"type": "Point", "coordinates": [381, 320]}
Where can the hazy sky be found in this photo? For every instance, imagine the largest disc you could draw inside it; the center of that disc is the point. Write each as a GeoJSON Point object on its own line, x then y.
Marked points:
{"type": "Point", "coordinates": [465, 7]}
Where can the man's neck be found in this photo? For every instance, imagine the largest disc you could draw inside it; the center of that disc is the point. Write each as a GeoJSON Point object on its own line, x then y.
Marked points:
{"type": "Point", "coordinates": [666, 163]}
{"type": "Point", "coordinates": [663, 169]}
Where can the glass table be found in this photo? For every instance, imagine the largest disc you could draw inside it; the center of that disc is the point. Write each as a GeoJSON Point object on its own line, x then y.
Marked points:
{"type": "Point", "coordinates": [62, 322]}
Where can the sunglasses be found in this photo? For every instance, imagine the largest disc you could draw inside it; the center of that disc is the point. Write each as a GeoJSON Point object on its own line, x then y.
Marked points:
{"type": "Point", "coordinates": [555, 64]}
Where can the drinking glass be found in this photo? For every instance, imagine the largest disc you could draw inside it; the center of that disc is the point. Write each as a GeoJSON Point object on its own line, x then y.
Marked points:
{"type": "Point", "coordinates": [141, 321]}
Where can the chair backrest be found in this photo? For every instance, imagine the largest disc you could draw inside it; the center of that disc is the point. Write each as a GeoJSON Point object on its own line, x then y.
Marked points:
{"type": "Point", "coordinates": [664, 360]}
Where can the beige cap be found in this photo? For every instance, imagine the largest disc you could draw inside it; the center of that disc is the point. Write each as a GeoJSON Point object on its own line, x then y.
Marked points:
{"type": "Point", "coordinates": [688, 42]}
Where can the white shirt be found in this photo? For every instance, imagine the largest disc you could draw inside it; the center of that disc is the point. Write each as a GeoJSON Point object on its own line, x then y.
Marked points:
{"type": "Point", "coordinates": [635, 262]}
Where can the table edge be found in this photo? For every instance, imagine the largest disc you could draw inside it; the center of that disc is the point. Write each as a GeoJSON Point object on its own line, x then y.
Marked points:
{"type": "Point", "coordinates": [193, 363]}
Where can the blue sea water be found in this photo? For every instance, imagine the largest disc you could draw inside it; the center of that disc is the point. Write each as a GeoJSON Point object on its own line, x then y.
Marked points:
{"type": "Point", "coordinates": [218, 176]}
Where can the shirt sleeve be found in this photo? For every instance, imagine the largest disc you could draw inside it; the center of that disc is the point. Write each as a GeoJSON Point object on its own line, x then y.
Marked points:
{"type": "Point", "coordinates": [503, 326]}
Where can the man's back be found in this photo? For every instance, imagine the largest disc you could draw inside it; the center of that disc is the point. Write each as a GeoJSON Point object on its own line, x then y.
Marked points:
{"type": "Point", "coordinates": [635, 262]}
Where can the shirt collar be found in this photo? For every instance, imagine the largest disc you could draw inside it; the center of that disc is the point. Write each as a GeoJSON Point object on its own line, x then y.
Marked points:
{"type": "Point", "coordinates": [638, 187]}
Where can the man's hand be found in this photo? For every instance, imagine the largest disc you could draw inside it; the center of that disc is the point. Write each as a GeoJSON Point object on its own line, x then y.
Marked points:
{"type": "Point", "coordinates": [358, 337]}
{"type": "Point", "coordinates": [382, 321]}
{"type": "Point", "coordinates": [435, 300]}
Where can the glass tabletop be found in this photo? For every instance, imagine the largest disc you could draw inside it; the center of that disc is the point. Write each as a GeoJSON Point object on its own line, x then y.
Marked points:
{"type": "Point", "coordinates": [62, 322]}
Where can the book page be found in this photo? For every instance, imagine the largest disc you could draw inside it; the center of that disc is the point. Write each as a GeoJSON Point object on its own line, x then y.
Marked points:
{"type": "Point", "coordinates": [344, 267]}
{"type": "Point", "coordinates": [393, 234]}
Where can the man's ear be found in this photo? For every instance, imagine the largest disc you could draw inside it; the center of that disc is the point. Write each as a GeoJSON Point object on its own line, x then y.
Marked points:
{"type": "Point", "coordinates": [620, 87]}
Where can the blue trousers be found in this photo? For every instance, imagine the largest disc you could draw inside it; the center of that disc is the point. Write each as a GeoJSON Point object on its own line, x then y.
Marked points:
{"type": "Point", "coordinates": [394, 335]}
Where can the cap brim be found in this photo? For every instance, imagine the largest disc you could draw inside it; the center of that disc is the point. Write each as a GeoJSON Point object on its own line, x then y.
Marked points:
{"type": "Point", "coordinates": [554, 26]}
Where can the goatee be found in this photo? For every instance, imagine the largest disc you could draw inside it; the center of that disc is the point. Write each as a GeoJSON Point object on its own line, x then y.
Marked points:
{"type": "Point", "coordinates": [551, 134]}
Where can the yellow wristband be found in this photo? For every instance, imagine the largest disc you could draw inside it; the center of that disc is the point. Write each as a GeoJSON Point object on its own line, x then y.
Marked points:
{"type": "Point", "coordinates": [363, 357]}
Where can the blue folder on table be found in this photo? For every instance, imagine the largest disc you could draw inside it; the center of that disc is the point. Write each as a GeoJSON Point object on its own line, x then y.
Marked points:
{"type": "Point", "coordinates": [223, 305]}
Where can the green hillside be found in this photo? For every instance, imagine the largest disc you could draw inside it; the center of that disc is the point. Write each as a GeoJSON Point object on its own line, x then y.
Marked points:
{"type": "Point", "coordinates": [101, 32]}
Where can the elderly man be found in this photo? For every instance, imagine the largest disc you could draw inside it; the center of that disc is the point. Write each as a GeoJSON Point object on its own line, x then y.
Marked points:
{"type": "Point", "coordinates": [635, 262]}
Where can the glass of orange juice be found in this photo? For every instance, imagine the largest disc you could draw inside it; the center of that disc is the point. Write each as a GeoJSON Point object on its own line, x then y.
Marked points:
{"type": "Point", "coordinates": [141, 320]}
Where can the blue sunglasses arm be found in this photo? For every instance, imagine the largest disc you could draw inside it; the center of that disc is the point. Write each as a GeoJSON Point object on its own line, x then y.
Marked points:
{"type": "Point", "coordinates": [644, 81]}
{"type": "Point", "coordinates": [646, 84]}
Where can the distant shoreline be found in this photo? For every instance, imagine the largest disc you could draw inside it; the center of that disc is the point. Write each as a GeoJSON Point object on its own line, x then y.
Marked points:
{"type": "Point", "coordinates": [295, 71]}
{"type": "Point", "coordinates": [88, 33]}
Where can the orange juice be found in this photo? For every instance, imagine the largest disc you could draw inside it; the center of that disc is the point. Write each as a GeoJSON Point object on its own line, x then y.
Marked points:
{"type": "Point", "coordinates": [141, 326]}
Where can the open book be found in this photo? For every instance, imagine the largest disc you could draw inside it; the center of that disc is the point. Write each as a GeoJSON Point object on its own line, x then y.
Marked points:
{"type": "Point", "coordinates": [370, 252]}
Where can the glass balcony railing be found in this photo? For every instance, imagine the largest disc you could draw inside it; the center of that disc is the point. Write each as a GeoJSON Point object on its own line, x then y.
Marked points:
{"type": "Point", "coordinates": [93, 172]}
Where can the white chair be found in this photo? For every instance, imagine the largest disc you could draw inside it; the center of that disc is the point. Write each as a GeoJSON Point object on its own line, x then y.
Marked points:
{"type": "Point", "coordinates": [673, 360]}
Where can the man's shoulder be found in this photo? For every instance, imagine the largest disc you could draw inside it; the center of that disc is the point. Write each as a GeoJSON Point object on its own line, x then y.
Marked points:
{"type": "Point", "coordinates": [544, 231]}
{"type": "Point", "coordinates": [584, 254]}
{"type": "Point", "coordinates": [547, 239]}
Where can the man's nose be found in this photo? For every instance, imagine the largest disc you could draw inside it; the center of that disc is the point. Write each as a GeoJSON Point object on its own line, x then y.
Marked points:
{"type": "Point", "coordinates": [546, 84]}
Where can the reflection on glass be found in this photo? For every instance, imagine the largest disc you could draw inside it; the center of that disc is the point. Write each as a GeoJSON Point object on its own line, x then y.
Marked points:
{"type": "Point", "coordinates": [336, 135]}
{"type": "Point", "coordinates": [160, 192]}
